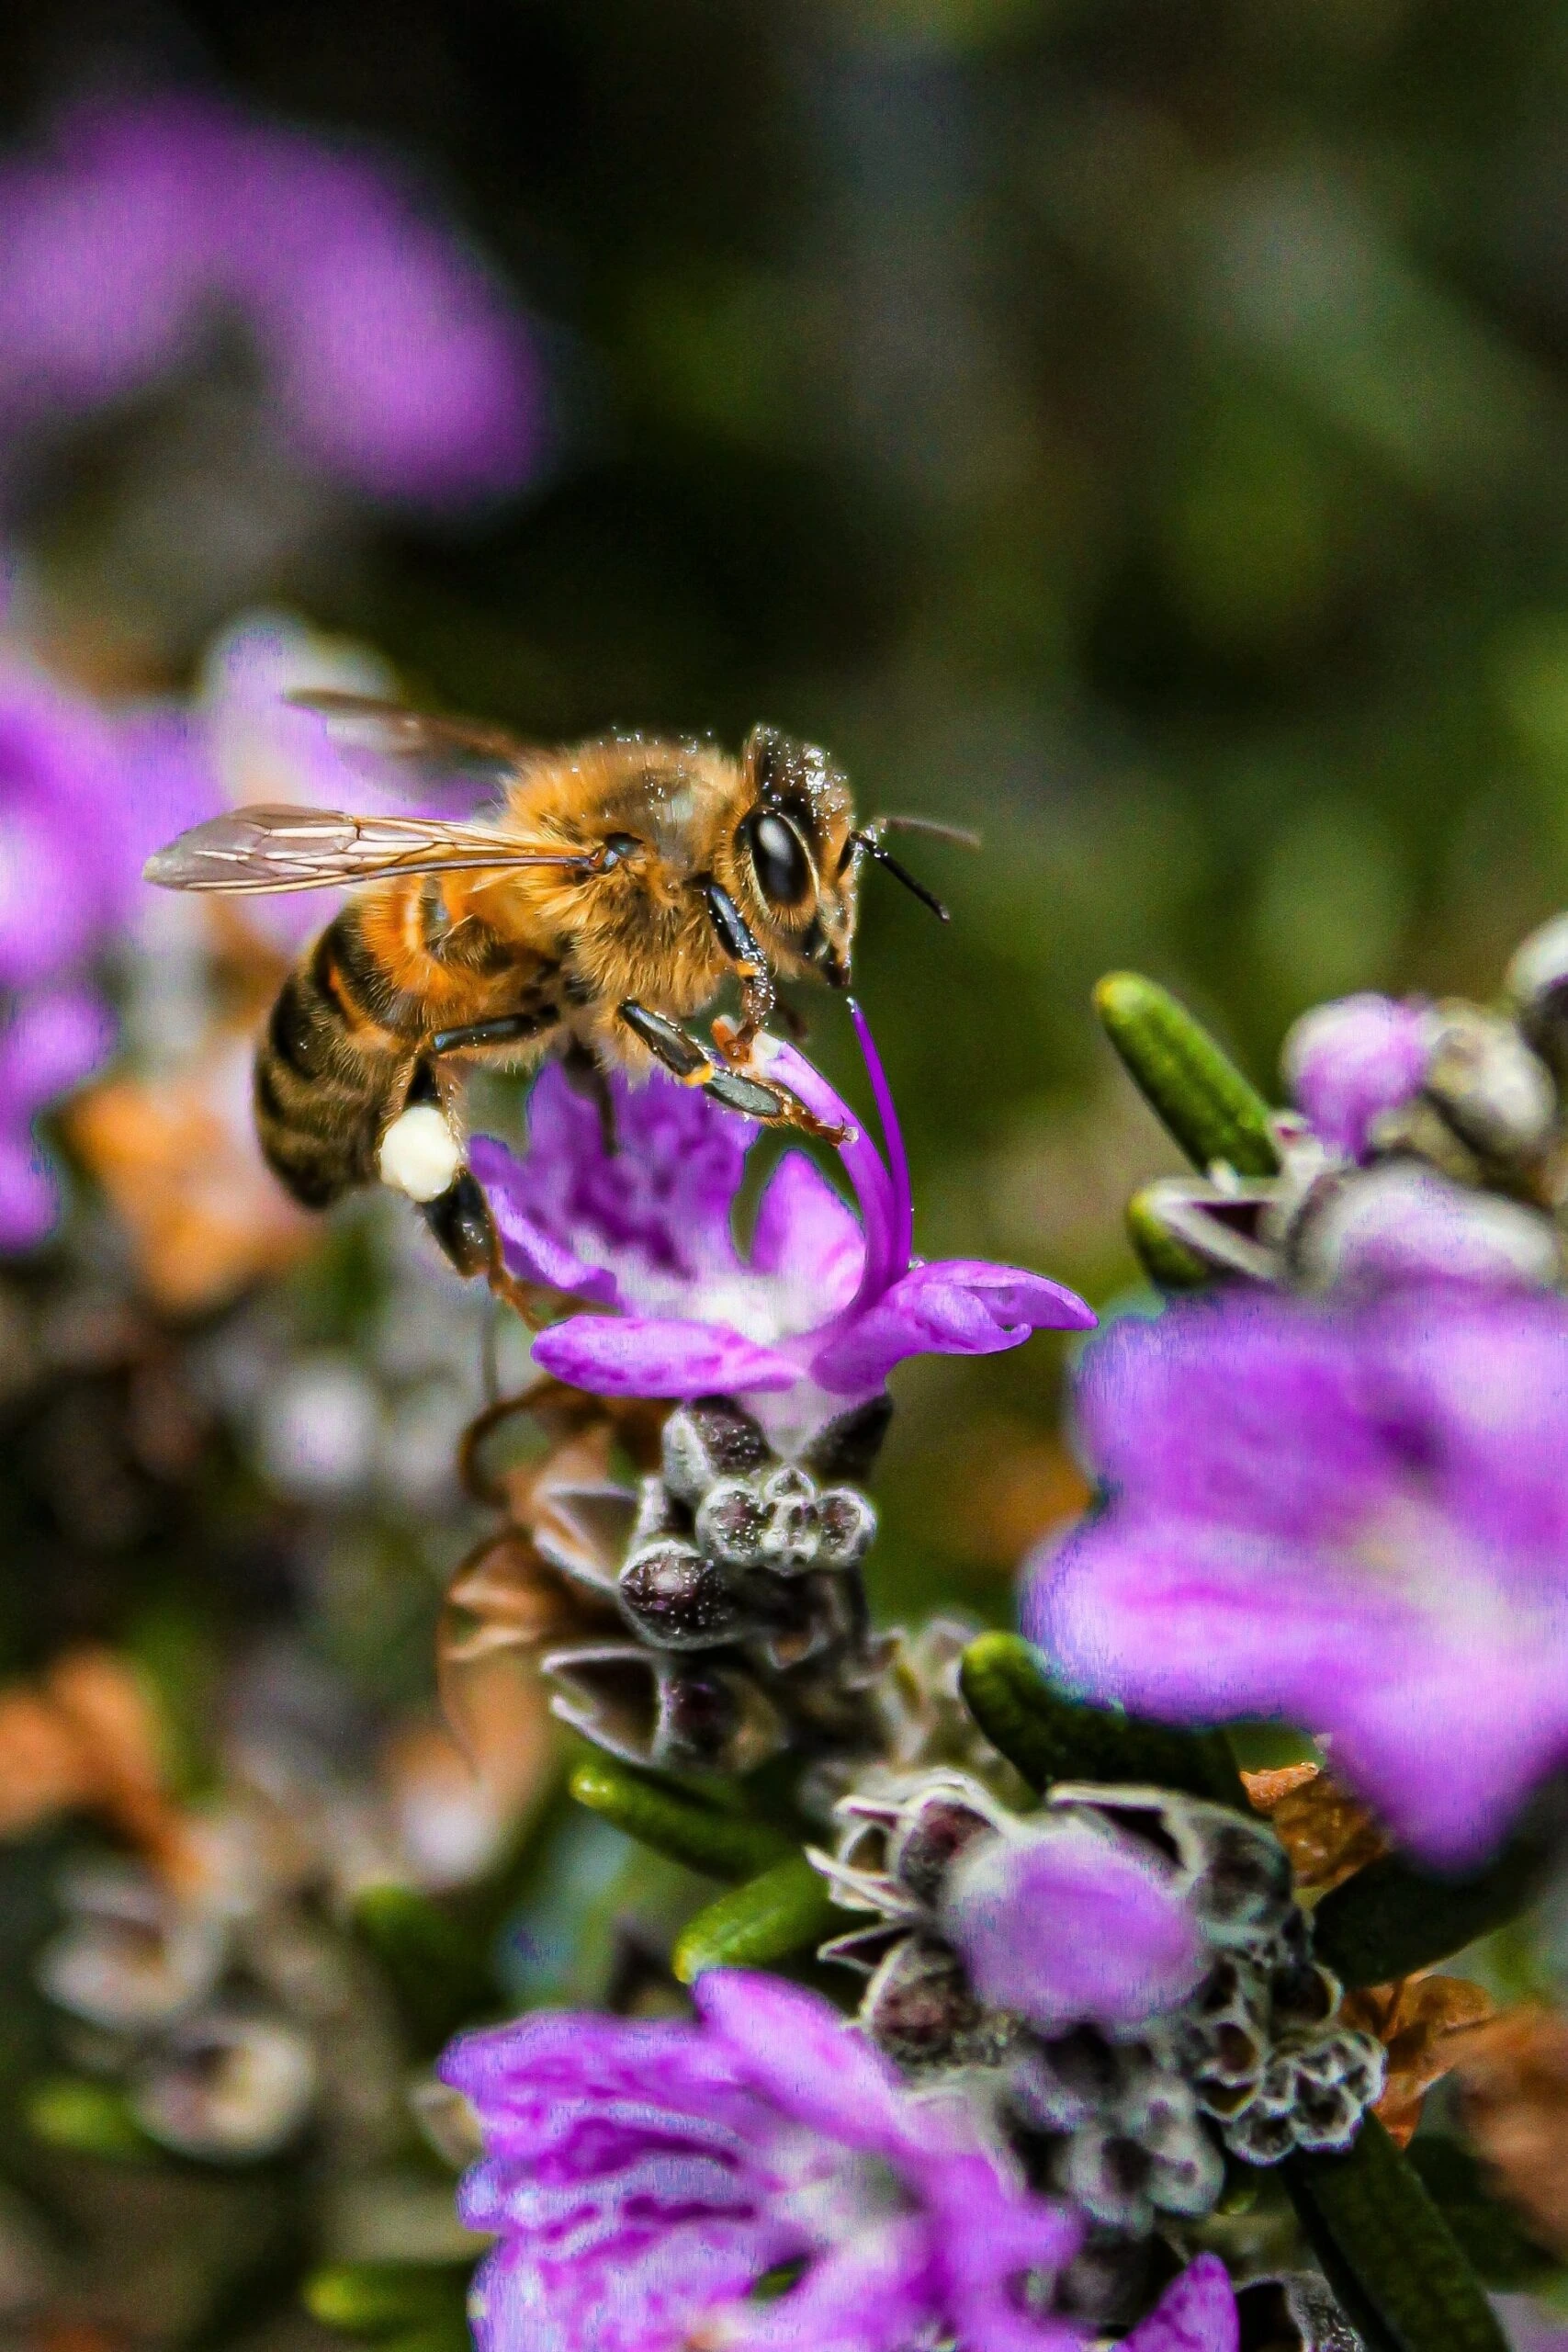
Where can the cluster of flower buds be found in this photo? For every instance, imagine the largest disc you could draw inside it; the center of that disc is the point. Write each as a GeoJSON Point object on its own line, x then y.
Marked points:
{"type": "Point", "coordinates": [230, 2016]}
{"type": "Point", "coordinates": [735, 1578]}
{"type": "Point", "coordinates": [1131, 2114]}
{"type": "Point", "coordinates": [1431, 1137]}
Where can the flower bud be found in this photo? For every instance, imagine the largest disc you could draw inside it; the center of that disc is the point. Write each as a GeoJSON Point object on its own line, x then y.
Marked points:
{"type": "Point", "coordinates": [131, 1956]}
{"type": "Point", "coordinates": [674, 1597]}
{"type": "Point", "coordinates": [228, 2088]}
{"type": "Point", "coordinates": [1348, 1062]}
{"type": "Point", "coordinates": [1400, 1222]}
{"type": "Point", "coordinates": [1493, 1092]}
{"type": "Point", "coordinates": [1537, 983]}
{"type": "Point", "coordinates": [710, 1439]}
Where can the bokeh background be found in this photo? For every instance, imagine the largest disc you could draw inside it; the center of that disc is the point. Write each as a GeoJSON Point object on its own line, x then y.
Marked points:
{"type": "Point", "coordinates": [1138, 431]}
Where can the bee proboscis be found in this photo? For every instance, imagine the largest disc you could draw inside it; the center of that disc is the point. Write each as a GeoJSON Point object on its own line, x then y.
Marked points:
{"type": "Point", "coordinates": [604, 903]}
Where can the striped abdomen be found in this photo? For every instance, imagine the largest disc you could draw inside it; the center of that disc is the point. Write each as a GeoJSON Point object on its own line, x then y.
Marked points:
{"type": "Point", "coordinates": [334, 1065]}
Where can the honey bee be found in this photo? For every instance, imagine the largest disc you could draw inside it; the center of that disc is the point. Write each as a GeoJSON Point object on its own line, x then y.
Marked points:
{"type": "Point", "coordinates": [606, 900]}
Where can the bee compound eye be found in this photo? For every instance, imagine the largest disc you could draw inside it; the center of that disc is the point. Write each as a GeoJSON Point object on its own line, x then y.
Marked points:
{"type": "Point", "coordinates": [778, 858]}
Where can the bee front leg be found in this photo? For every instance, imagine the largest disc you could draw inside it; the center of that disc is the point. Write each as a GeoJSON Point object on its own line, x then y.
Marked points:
{"type": "Point", "coordinates": [758, 996]}
{"type": "Point", "coordinates": [684, 1059]}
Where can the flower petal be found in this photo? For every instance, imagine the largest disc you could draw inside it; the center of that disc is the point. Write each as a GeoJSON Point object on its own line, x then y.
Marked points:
{"type": "Point", "coordinates": [1069, 1926]}
{"type": "Point", "coordinates": [1196, 2313]}
{"type": "Point", "coordinates": [871, 2294]}
{"type": "Point", "coordinates": [879, 1208]}
{"type": "Point", "coordinates": [807, 1237]}
{"type": "Point", "coordinates": [953, 1307]}
{"type": "Point", "coordinates": [797, 2050]}
{"type": "Point", "coordinates": [1346, 1062]}
{"type": "Point", "coordinates": [532, 1252]}
{"type": "Point", "coordinates": [613, 1355]}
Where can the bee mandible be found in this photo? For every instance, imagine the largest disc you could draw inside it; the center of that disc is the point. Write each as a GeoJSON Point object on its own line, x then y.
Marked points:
{"type": "Point", "coordinates": [604, 903]}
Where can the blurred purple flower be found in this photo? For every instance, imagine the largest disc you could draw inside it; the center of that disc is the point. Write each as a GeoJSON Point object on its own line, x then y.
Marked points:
{"type": "Point", "coordinates": [819, 1312]}
{"type": "Point", "coordinates": [1352, 1517]}
{"type": "Point", "coordinates": [1346, 1062]}
{"type": "Point", "coordinates": [1068, 1923]}
{"type": "Point", "coordinates": [82, 797]}
{"type": "Point", "coordinates": [399, 363]}
{"type": "Point", "coordinates": [642, 2179]}
{"type": "Point", "coordinates": [1196, 2313]}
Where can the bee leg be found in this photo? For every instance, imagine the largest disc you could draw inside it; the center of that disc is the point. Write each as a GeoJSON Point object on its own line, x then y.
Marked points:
{"type": "Point", "coordinates": [693, 1065]}
{"type": "Point", "coordinates": [421, 1156]}
{"type": "Point", "coordinates": [585, 1076]}
{"type": "Point", "coordinates": [757, 995]}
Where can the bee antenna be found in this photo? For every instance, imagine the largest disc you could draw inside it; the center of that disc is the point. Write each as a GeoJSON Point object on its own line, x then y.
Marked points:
{"type": "Point", "coordinates": [872, 848]}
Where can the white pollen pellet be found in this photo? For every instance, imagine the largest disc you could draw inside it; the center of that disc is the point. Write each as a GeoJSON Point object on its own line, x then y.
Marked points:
{"type": "Point", "coordinates": [420, 1155]}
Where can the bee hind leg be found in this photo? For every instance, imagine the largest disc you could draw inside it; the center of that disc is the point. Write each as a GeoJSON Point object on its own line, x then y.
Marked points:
{"type": "Point", "coordinates": [686, 1059]}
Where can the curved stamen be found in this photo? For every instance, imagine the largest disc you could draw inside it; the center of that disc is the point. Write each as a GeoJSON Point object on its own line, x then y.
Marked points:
{"type": "Point", "coordinates": [862, 1162]}
{"type": "Point", "coordinates": [902, 1203]}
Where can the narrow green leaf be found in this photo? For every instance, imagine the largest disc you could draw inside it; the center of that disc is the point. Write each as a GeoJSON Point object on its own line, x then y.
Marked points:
{"type": "Point", "coordinates": [1052, 1737]}
{"type": "Point", "coordinates": [87, 2119]}
{"type": "Point", "coordinates": [439, 1975]}
{"type": "Point", "coordinates": [675, 1823]}
{"type": "Point", "coordinates": [783, 1911]}
{"type": "Point", "coordinates": [1489, 2235]}
{"type": "Point", "coordinates": [391, 2298]}
{"type": "Point", "coordinates": [1391, 2257]}
{"type": "Point", "coordinates": [1211, 1109]}
{"type": "Point", "coordinates": [1392, 1918]}
{"type": "Point", "coordinates": [1167, 1261]}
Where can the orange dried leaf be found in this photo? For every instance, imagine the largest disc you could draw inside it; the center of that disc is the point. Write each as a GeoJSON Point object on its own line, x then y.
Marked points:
{"type": "Point", "coordinates": [1327, 1833]}
{"type": "Point", "coordinates": [1418, 2020]}
{"type": "Point", "coordinates": [1513, 2071]}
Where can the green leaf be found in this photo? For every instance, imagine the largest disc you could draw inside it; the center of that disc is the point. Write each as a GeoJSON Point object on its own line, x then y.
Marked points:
{"type": "Point", "coordinates": [440, 1977]}
{"type": "Point", "coordinates": [1167, 1261]}
{"type": "Point", "coordinates": [1211, 1109]}
{"type": "Point", "coordinates": [1050, 1736]}
{"type": "Point", "coordinates": [88, 2118]}
{"type": "Point", "coordinates": [676, 1823]}
{"type": "Point", "coordinates": [1490, 2236]}
{"type": "Point", "coordinates": [1390, 2255]}
{"type": "Point", "coordinates": [403, 2303]}
{"type": "Point", "coordinates": [785, 1910]}
{"type": "Point", "coordinates": [1392, 1918]}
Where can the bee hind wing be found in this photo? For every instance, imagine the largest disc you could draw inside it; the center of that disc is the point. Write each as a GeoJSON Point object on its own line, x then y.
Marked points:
{"type": "Point", "coordinates": [253, 850]}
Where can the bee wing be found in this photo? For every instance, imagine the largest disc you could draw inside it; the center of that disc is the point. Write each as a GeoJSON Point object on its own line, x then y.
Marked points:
{"type": "Point", "coordinates": [369, 732]}
{"type": "Point", "coordinates": [252, 850]}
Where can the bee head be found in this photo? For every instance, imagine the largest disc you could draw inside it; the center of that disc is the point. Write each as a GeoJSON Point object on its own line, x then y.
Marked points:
{"type": "Point", "coordinates": [793, 852]}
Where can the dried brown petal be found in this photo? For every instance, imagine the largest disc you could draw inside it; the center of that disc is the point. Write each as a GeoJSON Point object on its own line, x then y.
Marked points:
{"type": "Point", "coordinates": [1327, 1835]}
{"type": "Point", "coordinates": [88, 1737]}
{"type": "Point", "coordinates": [1513, 2071]}
{"type": "Point", "coordinates": [1417, 2020]}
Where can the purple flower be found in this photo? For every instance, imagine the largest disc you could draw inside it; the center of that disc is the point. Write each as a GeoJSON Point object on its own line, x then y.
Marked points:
{"type": "Point", "coordinates": [1196, 2313]}
{"type": "Point", "coordinates": [1351, 1516]}
{"type": "Point", "coordinates": [80, 794]}
{"type": "Point", "coordinates": [643, 2179]}
{"type": "Point", "coordinates": [1346, 1063]}
{"type": "Point", "coordinates": [1067, 1923]}
{"type": "Point", "coordinates": [398, 363]}
{"type": "Point", "coordinates": [817, 1314]}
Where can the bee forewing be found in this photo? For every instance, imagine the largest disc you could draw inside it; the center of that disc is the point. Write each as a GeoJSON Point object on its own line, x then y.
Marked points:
{"type": "Point", "coordinates": [369, 732]}
{"type": "Point", "coordinates": [255, 850]}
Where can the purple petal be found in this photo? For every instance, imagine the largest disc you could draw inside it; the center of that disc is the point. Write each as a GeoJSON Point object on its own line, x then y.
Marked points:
{"type": "Point", "coordinates": [986, 2235]}
{"type": "Point", "coordinates": [632, 1356]}
{"type": "Point", "coordinates": [954, 1307]}
{"type": "Point", "coordinates": [1191, 1407]}
{"type": "Point", "coordinates": [808, 1238]}
{"type": "Point", "coordinates": [1348, 1062]}
{"type": "Point", "coordinates": [29, 1193]}
{"type": "Point", "coordinates": [1442, 1713]}
{"type": "Point", "coordinates": [1196, 2312]}
{"type": "Point", "coordinates": [1068, 1928]}
{"type": "Point", "coordinates": [49, 1043]}
{"type": "Point", "coordinates": [862, 1162]}
{"type": "Point", "coordinates": [874, 2293]}
{"type": "Point", "coordinates": [531, 1253]}
{"type": "Point", "coordinates": [901, 1240]}
{"type": "Point", "coordinates": [797, 2050]}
